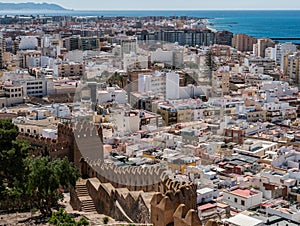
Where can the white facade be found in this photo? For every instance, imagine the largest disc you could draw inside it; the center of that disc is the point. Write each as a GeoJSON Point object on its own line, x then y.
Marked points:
{"type": "Point", "coordinates": [13, 94]}
{"type": "Point", "coordinates": [34, 87]}
{"type": "Point", "coordinates": [243, 199]}
{"type": "Point", "coordinates": [172, 85]}
{"type": "Point", "coordinates": [128, 45]}
{"type": "Point", "coordinates": [279, 88]}
{"type": "Point", "coordinates": [243, 220]}
{"type": "Point", "coordinates": [112, 95]}
{"type": "Point", "coordinates": [206, 195]}
{"type": "Point", "coordinates": [132, 60]}
{"type": "Point", "coordinates": [59, 110]}
{"type": "Point", "coordinates": [33, 62]}
{"type": "Point", "coordinates": [282, 50]}
{"type": "Point", "coordinates": [162, 56]}
{"type": "Point", "coordinates": [270, 52]}
{"type": "Point", "coordinates": [152, 83]}
{"type": "Point", "coordinates": [28, 42]}
{"type": "Point", "coordinates": [47, 62]}
{"type": "Point", "coordinates": [127, 122]}
{"type": "Point", "coordinates": [292, 213]}
{"type": "Point", "coordinates": [255, 147]}
{"type": "Point", "coordinates": [74, 56]}
{"type": "Point", "coordinates": [190, 91]}
{"type": "Point", "coordinates": [144, 83]}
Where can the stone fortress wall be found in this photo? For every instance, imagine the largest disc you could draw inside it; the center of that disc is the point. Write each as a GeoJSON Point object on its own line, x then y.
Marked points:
{"type": "Point", "coordinates": [133, 194]}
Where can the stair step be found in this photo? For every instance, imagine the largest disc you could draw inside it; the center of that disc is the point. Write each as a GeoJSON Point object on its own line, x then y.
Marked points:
{"type": "Point", "coordinates": [89, 210]}
{"type": "Point", "coordinates": [87, 204]}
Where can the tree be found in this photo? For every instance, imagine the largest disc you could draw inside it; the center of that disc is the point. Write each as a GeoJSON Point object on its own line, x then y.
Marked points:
{"type": "Point", "coordinates": [105, 220]}
{"type": "Point", "coordinates": [12, 154]}
{"type": "Point", "coordinates": [116, 78]}
{"type": "Point", "coordinates": [62, 218]}
{"type": "Point", "coordinates": [211, 64]}
{"type": "Point", "coordinates": [45, 177]}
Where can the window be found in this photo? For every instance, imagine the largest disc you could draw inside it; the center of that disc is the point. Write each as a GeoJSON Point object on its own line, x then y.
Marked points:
{"type": "Point", "coordinates": [243, 203]}
{"type": "Point", "coordinates": [235, 199]}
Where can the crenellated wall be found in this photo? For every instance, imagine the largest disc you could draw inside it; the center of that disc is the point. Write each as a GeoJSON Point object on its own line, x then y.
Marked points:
{"type": "Point", "coordinates": [120, 203]}
{"type": "Point", "coordinates": [47, 146]}
{"type": "Point", "coordinates": [177, 205]}
{"type": "Point", "coordinates": [132, 194]}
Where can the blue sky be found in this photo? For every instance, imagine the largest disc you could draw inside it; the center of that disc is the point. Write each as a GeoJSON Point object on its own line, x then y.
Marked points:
{"type": "Point", "coordinates": [171, 4]}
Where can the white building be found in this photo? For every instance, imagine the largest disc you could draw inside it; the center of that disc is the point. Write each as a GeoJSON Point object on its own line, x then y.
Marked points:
{"type": "Point", "coordinates": [190, 91]}
{"type": "Point", "coordinates": [278, 88]}
{"type": "Point", "coordinates": [132, 60]}
{"type": "Point", "coordinates": [74, 56]}
{"type": "Point", "coordinates": [47, 62]}
{"type": "Point", "coordinates": [162, 56]}
{"type": "Point", "coordinates": [127, 122]}
{"type": "Point", "coordinates": [59, 110]}
{"type": "Point", "coordinates": [128, 45]}
{"type": "Point", "coordinates": [205, 195]}
{"type": "Point", "coordinates": [243, 199]}
{"type": "Point", "coordinates": [155, 83]}
{"type": "Point", "coordinates": [243, 220]}
{"type": "Point", "coordinates": [256, 147]}
{"type": "Point", "coordinates": [34, 87]}
{"type": "Point", "coordinates": [283, 49]}
{"type": "Point", "coordinates": [28, 42]}
{"type": "Point", "coordinates": [172, 85]}
{"type": "Point", "coordinates": [171, 57]}
{"type": "Point", "coordinates": [270, 52]}
{"type": "Point", "coordinates": [112, 94]}
{"type": "Point", "coordinates": [12, 95]}
{"type": "Point", "coordinates": [290, 213]}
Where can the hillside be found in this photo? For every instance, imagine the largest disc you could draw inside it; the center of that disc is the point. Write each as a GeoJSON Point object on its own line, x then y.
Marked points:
{"type": "Point", "coordinates": [29, 6]}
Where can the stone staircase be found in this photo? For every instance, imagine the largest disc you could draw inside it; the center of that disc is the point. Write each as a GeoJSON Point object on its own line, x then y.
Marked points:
{"type": "Point", "coordinates": [87, 204]}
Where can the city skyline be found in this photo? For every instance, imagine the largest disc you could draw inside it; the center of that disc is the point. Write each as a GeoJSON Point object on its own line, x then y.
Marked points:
{"type": "Point", "coordinates": [170, 5]}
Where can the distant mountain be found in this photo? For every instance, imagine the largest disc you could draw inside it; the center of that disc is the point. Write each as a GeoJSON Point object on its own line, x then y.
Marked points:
{"type": "Point", "coordinates": [29, 6]}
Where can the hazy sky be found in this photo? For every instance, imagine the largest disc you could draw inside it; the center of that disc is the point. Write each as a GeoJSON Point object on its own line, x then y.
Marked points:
{"type": "Point", "coordinates": [171, 4]}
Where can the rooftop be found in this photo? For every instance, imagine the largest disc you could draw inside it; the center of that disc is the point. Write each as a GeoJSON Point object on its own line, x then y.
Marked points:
{"type": "Point", "coordinates": [243, 220]}
{"type": "Point", "coordinates": [245, 193]}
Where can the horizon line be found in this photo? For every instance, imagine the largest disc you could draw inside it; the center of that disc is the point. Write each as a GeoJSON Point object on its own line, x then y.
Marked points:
{"type": "Point", "coordinates": [208, 9]}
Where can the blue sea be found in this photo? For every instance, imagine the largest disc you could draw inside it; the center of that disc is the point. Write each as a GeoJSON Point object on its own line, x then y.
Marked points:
{"type": "Point", "coordinates": [257, 23]}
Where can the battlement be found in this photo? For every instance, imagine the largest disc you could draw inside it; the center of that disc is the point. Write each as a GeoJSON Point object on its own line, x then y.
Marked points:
{"type": "Point", "coordinates": [128, 176]}
{"type": "Point", "coordinates": [176, 205]}
{"type": "Point", "coordinates": [189, 219]}
{"type": "Point", "coordinates": [82, 143]}
{"type": "Point", "coordinates": [49, 146]}
{"type": "Point", "coordinates": [120, 203]}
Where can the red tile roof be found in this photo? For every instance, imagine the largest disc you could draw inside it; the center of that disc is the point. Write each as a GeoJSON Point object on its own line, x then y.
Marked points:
{"type": "Point", "coordinates": [246, 193]}
{"type": "Point", "coordinates": [206, 206]}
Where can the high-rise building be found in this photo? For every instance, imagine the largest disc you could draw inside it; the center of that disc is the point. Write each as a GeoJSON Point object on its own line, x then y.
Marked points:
{"type": "Point", "coordinates": [224, 38]}
{"type": "Point", "coordinates": [188, 37]}
{"type": "Point", "coordinates": [281, 50]}
{"type": "Point", "coordinates": [1, 51]}
{"type": "Point", "coordinates": [82, 43]}
{"type": "Point", "coordinates": [172, 85]}
{"type": "Point", "coordinates": [128, 46]}
{"type": "Point", "coordinates": [262, 44]}
{"type": "Point", "coordinates": [292, 67]}
{"type": "Point", "coordinates": [243, 42]}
